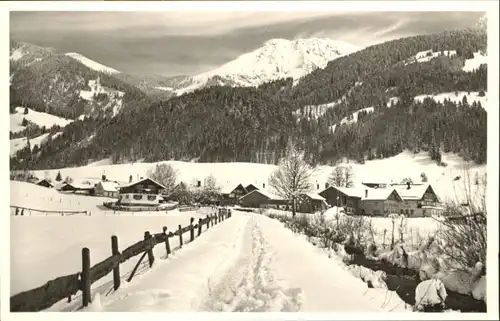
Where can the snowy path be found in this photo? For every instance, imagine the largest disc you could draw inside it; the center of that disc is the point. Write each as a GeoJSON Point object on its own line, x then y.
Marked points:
{"type": "Point", "coordinates": [248, 263]}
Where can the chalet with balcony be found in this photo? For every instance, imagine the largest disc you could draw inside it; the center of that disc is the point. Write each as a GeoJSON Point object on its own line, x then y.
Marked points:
{"type": "Point", "coordinates": [144, 192]}
{"type": "Point", "coordinates": [419, 200]}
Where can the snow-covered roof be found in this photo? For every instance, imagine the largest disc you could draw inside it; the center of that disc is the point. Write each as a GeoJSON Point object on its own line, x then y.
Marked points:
{"type": "Point", "coordinates": [141, 180]}
{"type": "Point", "coordinates": [227, 189]}
{"type": "Point", "coordinates": [351, 191]}
{"type": "Point", "coordinates": [315, 196]}
{"type": "Point", "coordinates": [377, 194]}
{"type": "Point", "coordinates": [266, 193]}
{"type": "Point", "coordinates": [109, 186]}
{"type": "Point", "coordinates": [415, 192]}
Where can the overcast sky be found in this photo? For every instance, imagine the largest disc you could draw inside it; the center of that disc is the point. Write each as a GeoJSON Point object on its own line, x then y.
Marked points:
{"type": "Point", "coordinates": [175, 43]}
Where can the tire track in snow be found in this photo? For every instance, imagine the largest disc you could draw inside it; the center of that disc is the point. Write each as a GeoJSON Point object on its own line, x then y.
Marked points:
{"type": "Point", "coordinates": [249, 286]}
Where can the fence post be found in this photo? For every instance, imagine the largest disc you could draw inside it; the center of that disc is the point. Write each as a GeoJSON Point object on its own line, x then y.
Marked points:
{"type": "Point", "coordinates": [85, 277]}
{"type": "Point", "coordinates": [180, 235]}
{"type": "Point", "coordinates": [191, 231]}
{"type": "Point", "coordinates": [199, 226]}
{"type": "Point", "coordinates": [116, 270]}
{"type": "Point", "coordinates": [151, 258]}
{"type": "Point", "coordinates": [167, 243]}
{"type": "Point", "coordinates": [208, 221]}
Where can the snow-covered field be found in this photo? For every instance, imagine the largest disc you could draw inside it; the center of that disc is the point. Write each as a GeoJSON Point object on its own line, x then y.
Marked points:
{"type": "Point", "coordinates": [39, 118]}
{"type": "Point", "coordinates": [46, 247]}
{"type": "Point", "coordinates": [245, 264]}
{"type": "Point", "coordinates": [377, 230]}
{"type": "Point", "coordinates": [474, 63]}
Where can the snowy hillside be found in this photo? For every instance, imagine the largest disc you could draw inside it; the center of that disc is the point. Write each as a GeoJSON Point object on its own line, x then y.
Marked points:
{"type": "Point", "coordinates": [113, 101]}
{"type": "Point", "coordinates": [474, 63]}
{"type": "Point", "coordinates": [277, 58]}
{"type": "Point", "coordinates": [38, 118]}
{"type": "Point", "coordinates": [17, 144]}
{"type": "Point", "coordinates": [91, 63]}
{"type": "Point", "coordinates": [428, 55]}
{"type": "Point", "coordinates": [458, 97]}
{"type": "Point", "coordinates": [406, 164]}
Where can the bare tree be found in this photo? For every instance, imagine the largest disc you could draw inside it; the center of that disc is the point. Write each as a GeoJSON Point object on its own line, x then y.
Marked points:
{"type": "Point", "coordinates": [164, 174]}
{"type": "Point", "coordinates": [466, 239]}
{"type": "Point", "coordinates": [337, 177]}
{"type": "Point", "coordinates": [209, 191]}
{"type": "Point", "coordinates": [342, 176]}
{"type": "Point", "coordinates": [292, 177]}
{"type": "Point", "coordinates": [348, 176]}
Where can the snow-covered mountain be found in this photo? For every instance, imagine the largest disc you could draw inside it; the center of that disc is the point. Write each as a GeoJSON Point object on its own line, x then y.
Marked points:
{"type": "Point", "coordinates": [276, 59]}
{"type": "Point", "coordinates": [91, 63]}
{"type": "Point", "coordinates": [482, 24]}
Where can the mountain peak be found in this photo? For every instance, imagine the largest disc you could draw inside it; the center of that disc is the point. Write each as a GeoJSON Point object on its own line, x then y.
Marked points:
{"type": "Point", "coordinates": [91, 63]}
{"type": "Point", "coordinates": [278, 58]}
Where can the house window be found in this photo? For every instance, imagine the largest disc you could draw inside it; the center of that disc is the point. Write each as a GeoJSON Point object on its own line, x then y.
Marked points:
{"type": "Point", "coordinates": [412, 212]}
{"type": "Point", "coordinates": [137, 197]}
{"type": "Point", "coordinates": [402, 211]}
{"type": "Point", "coordinates": [126, 196]}
{"type": "Point", "coordinates": [151, 197]}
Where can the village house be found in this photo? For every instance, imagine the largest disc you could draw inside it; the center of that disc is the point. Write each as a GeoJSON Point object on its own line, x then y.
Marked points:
{"type": "Point", "coordinates": [348, 198]}
{"type": "Point", "coordinates": [107, 189]}
{"type": "Point", "coordinates": [263, 199]}
{"type": "Point", "coordinates": [76, 187]}
{"type": "Point", "coordinates": [250, 188]}
{"type": "Point", "coordinates": [45, 183]}
{"type": "Point", "coordinates": [311, 203]}
{"type": "Point", "coordinates": [231, 195]}
{"type": "Point", "coordinates": [419, 200]}
{"type": "Point", "coordinates": [144, 192]}
{"type": "Point", "coordinates": [380, 201]}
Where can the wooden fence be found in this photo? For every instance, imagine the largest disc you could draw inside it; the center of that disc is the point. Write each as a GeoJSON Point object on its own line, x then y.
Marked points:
{"type": "Point", "coordinates": [63, 287]}
{"type": "Point", "coordinates": [26, 211]}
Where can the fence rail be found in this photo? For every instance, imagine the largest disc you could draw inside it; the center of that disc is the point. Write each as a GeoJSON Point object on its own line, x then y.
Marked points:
{"type": "Point", "coordinates": [63, 287]}
{"type": "Point", "coordinates": [19, 211]}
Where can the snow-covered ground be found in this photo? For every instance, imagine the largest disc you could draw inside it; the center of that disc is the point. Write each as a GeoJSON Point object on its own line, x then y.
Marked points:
{"type": "Point", "coordinates": [91, 63]}
{"type": "Point", "coordinates": [39, 118]}
{"type": "Point", "coordinates": [247, 263]}
{"type": "Point", "coordinates": [17, 144]}
{"type": "Point", "coordinates": [428, 55]}
{"type": "Point", "coordinates": [46, 247]}
{"type": "Point", "coordinates": [457, 97]}
{"type": "Point", "coordinates": [406, 164]}
{"type": "Point", "coordinates": [474, 63]}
